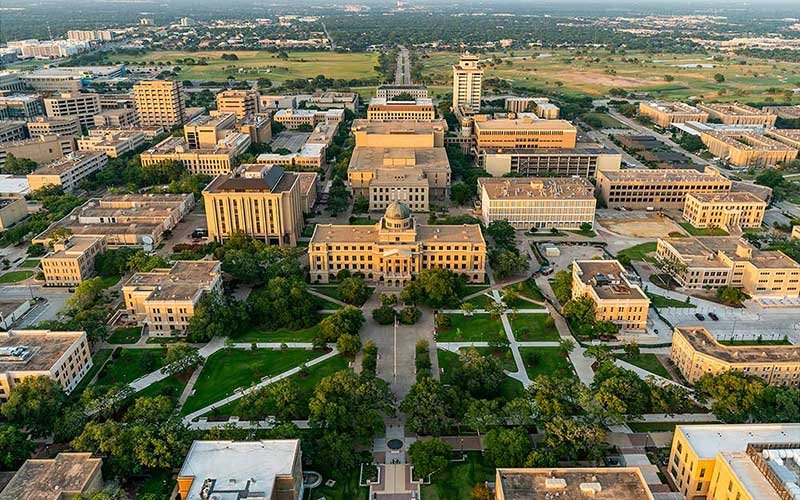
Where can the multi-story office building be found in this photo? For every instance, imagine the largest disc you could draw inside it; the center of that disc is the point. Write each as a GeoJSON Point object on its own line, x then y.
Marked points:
{"type": "Point", "coordinates": [61, 356]}
{"type": "Point", "coordinates": [117, 101]}
{"type": "Point", "coordinates": [62, 125]}
{"type": "Point", "coordinates": [20, 106]}
{"type": "Point", "coordinates": [730, 210]}
{"type": "Point", "coordinates": [206, 131]}
{"type": "Point", "coordinates": [615, 298]}
{"type": "Point", "coordinates": [783, 112]}
{"type": "Point", "coordinates": [72, 261]}
{"type": "Point", "coordinates": [259, 128]}
{"type": "Point", "coordinates": [311, 157]}
{"type": "Point", "coordinates": [65, 476]}
{"type": "Point", "coordinates": [83, 106]}
{"type": "Point", "coordinates": [69, 171]}
{"type": "Point", "coordinates": [662, 188]}
{"type": "Point", "coordinates": [149, 133]}
{"type": "Point", "coordinates": [262, 201]}
{"type": "Point", "coordinates": [272, 102]}
{"type": "Point", "coordinates": [696, 352]}
{"type": "Point", "coordinates": [323, 134]}
{"type": "Point", "coordinates": [418, 109]}
{"type": "Point", "coordinates": [13, 209]}
{"type": "Point", "coordinates": [413, 176]}
{"type": "Point", "coordinates": [467, 82]}
{"type": "Point", "coordinates": [242, 103]}
{"type": "Point", "coordinates": [216, 160]}
{"type": "Point", "coordinates": [523, 132]}
{"type": "Point", "coordinates": [296, 118]}
{"type": "Point", "coordinates": [790, 137]}
{"type": "Point", "coordinates": [114, 144]}
{"type": "Point", "coordinates": [164, 300]}
{"type": "Point", "coordinates": [747, 149]}
{"type": "Point", "coordinates": [713, 261]}
{"type": "Point", "coordinates": [90, 35]}
{"type": "Point", "coordinates": [308, 190]}
{"type": "Point", "coordinates": [41, 149]}
{"type": "Point", "coordinates": [541, 203]}
{"type": "Point", "coordinates": [582, 161]}
{"type": "Point", "coordinates": [399, 133]}
{"type": "Point", "coordinates": [390, 91]}
{"type": "Point", "coordinates": [160, 102]}
{"type": "Point", "coordinates": [617, 483]}
{"type": "Point", "coordinates": [738, 114]}
{"type": "Point", "coordinates": [11, 81]}
{"type": "Point", "coordinates": [216, 469]}
{"type": "Point", "coordinates": [710, 461]}
{"type": "Point", "coordinates": [12, 131]}
{"type": "Point", "coordinates": [116, 118]}
{"type": "Point", "coordinates": [665, 114]}
{"type": "Point", "coordinates": [334, 100]}
{"type": "Point", "coordinates": [395, 249]}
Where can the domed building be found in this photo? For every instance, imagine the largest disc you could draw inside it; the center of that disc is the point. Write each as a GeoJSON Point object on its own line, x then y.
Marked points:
{"type": "Point", "coordinates": [392, 251]}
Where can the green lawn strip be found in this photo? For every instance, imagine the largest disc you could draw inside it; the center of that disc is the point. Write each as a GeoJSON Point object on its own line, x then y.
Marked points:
{"type": "Point", "coordinates": [230, 369]}
{"type": "Point", "coordinates": [347, 488]}
{"type": "Point", "coordinates": [283, 335]}
{"type": "Point", "coordinates": [529, 289]}
{"type": "Point", "coordinates": [332, 291]}
{"type": "Point", "coordinates": [660, 301]}
{"type": "Point", "coordinates": [15, 276]}
{"type": "Point", "coordinates": [545, 361]}
{"type": "Point", "coordinates": [130, 365]}
{"type": "Point", "coordinates": [470, 289]}
{"type": "Point", "coordinates": [457, 479]}
{"type": "Point", "coordinates": [171, 386]}
{"type": "Point", "coordinates": [324, 304]}
{"type": "Point", "coordinates": [656, 426]}
{"type": "Point", "coordinates": [109, 281]}
{"type": "Point", "coordinates": [448, 361]}
{"type": "Point", "coordinates": [589, 234]}
{"type": "Point", "coordinates": [128, 335]}
{"type": "Point", "coordinates": [755, 342]}
{"type": "Point", "coordinates": [98, 359]}
{"type": "Point", "coordinates": [646, 361]}
{"type": "Point", "coordinates": [29, 263]}
{"type": "Point", "coordinates": [606, 121]}
{"type": "Point", "coordinates": [534, 327]}
{"type": "Point", "coordinates": [708, 231]}
{"type": "Point", "coordinates": [159, 484]}
{"type": "Point", "coordinates": [475, 328]}
{"type": "Point", "coordinates": [480, 302]}
{"type": "Point", "coordinates": [637, 252]}
{"type": "Point", "coordinates": [165, 340]}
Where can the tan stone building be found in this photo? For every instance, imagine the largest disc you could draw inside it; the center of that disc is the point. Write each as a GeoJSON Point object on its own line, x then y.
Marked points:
{"type": "Point", "coordinates": [117, 118]}
{"type": "Point", "coordinates": [62, 356]}
{"type": "Point", "coordinates": [113, 144]}
{"type": "Point", "coordinates": [308, 190]}
{"type": "Point", "coordinates": [696, 352]}
{"type": "Point", "coordinates": [395, 249]}
{"type": "Point", "coordinates": [40, 149]}
{"type": "Point", "coordinates": [164, 300]}
{"type": "Point", "coordinates": [390, 91]}
{"type": "Point", "coordinates": [738, 114]}
{"type": "Point", "coordinates": [585, 160]}
{"type": "Point", "coordinates": [541, 203]}
{"type": "Point", "coordinates": [418, 109]}
{"type": "Point", "coordinates": [311, 157]}
{"type": "Point", "coordinates": [665, 114]}
{"type": "Point", "coordinates": [217, 160]}
{"type": "Point", "coordinates": [522, 133]}
{"type": "Point", "coordinates": [262, 201]}
{"type": "Point", "coordinates": [399, 133]}
{"type": "Point", "coordinates": [60, 478]}
{"type": "Point", "coordinates": [467, 82]}
{"type": "Point", "coordinates": [714, 261]}
{"type": "Point", "coordinates": [12, 131]}
{"type": "Point", "coordinates": [572, 483]}
{"type": "Point", "coordinates": [242, 103]}
{"type": "Point", "coordinates": [214, 469]}
{"type": "Point", "coordinates": [81, 105]}
{"type": "Point", "coordinates": [63, 125]}
{"type": "Point", "coordinates": [72, 261]}
{"type": "Point", "coordinates": [295, 118]}
{"type": "Point", "coordinates": [258, 127]}
{"type": "Point", "coordinates": [731, 210]}
{"type": "Point", "coordinates": [334, 100]}
{"type": "Point", "coordinates": [661, 188]}
{"type": "Point", "coordinates": [747, 149]}
{"type": "Point", "coordinates": [13, 209]}
{"type": "Point", "coordinates": [615, 298]}
{"type": "Point", "coordinates": [160, 102]}
{"type": "Point", "coordinates": [790, 137]}
{"type": "Point", "coordinates": [67, 173]}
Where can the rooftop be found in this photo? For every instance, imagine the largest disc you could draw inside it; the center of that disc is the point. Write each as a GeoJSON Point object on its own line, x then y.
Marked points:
{"type": "Point", "coordinates": [523, 124]}
{"type": "Point", "coordinates": [673, 107]}
{"type": "Point", "coordinates": [732, 109]}
{"type": "Point", "coordinates": [9, 306]}
{"type": "Point", "coordinates": [537, 188]}
{"type": "Point", "coordinates": [727, 197]}
{"type": "Point", "coordinates": [43, 349]}
{"type": "Point", "coordinates": [748, 141]}
{"type": "Point", "coordinates": [607, 279]}
{"type": "Point", "coordinates": [399, 126]}
{"type": "Point", "coordinates": [67, 163]}
{"type": "Point", "coordinates": [579, 149]}
{"type": "Point", "coordinates": [702, 341]}
{"type": "Point", "coordinates": [172, 145]}
{"type": "Point", "coordinates": [52, 479]}
{"type": "Point", "coordinates": [255, 177]}
{"type": "Point", "coordinates": [183, 281]}
{"type": "Point", "coordinates": [329, 233]}
{"type": "Point", "coordinates": [380, 101]}
{"type": "Point", "coordinates": [748, 474]}
{"type": "Point", "coordinates": [76, 246]}
{"type": "Point", "coordinates": [369, 159]}
{"type": "Point", "coordinates": [619, 483]}
{"type": "Point", "coordinates": [707, 251]}
{"type": "Point", "coordinates": [669, 175]}
{"type": "Point", "coordinates": [709, 439]}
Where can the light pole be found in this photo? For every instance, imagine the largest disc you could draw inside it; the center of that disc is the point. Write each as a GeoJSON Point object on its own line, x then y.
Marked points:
{"type": "Point", "coordinates": [395, 349]}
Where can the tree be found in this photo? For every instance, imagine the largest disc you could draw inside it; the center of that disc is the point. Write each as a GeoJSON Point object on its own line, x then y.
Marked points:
{"type": "Point", "coordinates": [518, 412]}
{"type": "Point", "coordinates": [281, 400]}
{"type": "Point", "coordinates": [180, 356]}
{"type": "Point", "coordinates": [507, 447]}
{"type": "Point", "coordinates": [719, 77]}
{"type": "Point", "coordinates": [483, 414]}
{"type": "Point", "coordinates": [18, 166]}
{"type": "Point", "coordinates": [429, 407]}
{"type": "Point", "coordinates": [502, 232]}
{"type": "Point", "coordinates": [435, 287]}
{"type": "Point", "coordinates": [150, 410]}
{"type": "Point", "coordinates": [479, 375]}
{"type": "Point", "coordinates": [460, 193]}
{"type": "Point", "coordinates": [409, 315]}
{"type": "Point", "coordinates": [354, 290]}
{"type": "Point", "coordinates": [631, 349]}
{"type": "Point", "coordinates": [566, 346]}
{"type": "Point", "coordinates": [738, 398]}
{"type": "Point", "coordinates": [731, 296]}
{"type": "Point", "coordinates": [14, 447]}
{"type": "Point", "coordinates": [481, 492]}
{"type": "Point", "coordinates": [429, 456]}
{"type": "Point", "coordinates": [562, 286]}
{"type": "Point", "coordinates": [216, 315]}
{"type": "Point", "coordinates": [369, 359]}
{"type": "Point", "coordinates": [86, 294]}
{"type": "Point", "coordinates": [35, 404]}
{"type": "Point", "coordinates": [284, 302]}
{"type": "Point", "coordinates": [507, 263]}
{"type": "Point", "coordinates": [573, 439]}
{"type": "Point", "coordinates": [619, 392]}
{"type": "Point", "coordinates": [107, 493]}
{"type": "Point", "coordinates": [360, 205]}
{"type": "Point", "coordinates": [345, 321]}
{"type": "Point", "coordinates": [468, 308]}
{"type": "Point", "coordinates": [384, 315]}
{"type": "Point", "coordinates": [601, 353]}
{"type": "Point", "coordinates": [348, 345]}
{"type": "Point", "coordinates": [557, 397]}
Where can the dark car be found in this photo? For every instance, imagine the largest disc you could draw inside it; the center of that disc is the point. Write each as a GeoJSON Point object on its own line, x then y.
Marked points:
{"type": "Point", "coordinates": [699, 316]}
{"type": "Point", "coordinates": [713, 316]}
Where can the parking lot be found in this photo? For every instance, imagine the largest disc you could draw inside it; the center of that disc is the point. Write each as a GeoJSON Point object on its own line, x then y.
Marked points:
{"type": "Point", "coordinates": [572, 252]}
{"type": "Point", "coordinates": [290, 140]}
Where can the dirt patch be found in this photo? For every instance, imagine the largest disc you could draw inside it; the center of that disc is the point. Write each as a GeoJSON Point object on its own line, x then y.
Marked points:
{"type": "Point", "coordinates": [595, 79]}
{"type": "Point", "coordinates": [654, 227]}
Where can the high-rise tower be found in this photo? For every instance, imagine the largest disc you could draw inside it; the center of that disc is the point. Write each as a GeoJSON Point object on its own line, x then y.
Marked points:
{"type": "Point", "coordinates": [467, 81]}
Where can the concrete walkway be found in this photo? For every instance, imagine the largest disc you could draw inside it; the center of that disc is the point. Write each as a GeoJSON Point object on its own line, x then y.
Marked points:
{"type": "Point", "coordinates": [203, 424]}
{"type": "Point", "coordinates": [644, 374]}
{"type": "Point", "coordinates": [151, 378]}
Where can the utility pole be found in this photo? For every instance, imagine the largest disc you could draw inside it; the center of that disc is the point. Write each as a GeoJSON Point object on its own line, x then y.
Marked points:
{"type": "Point", "coordinates": [395, 349]}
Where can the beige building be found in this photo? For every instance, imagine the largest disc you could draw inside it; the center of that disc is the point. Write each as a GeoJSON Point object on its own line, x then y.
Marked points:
{"type": "Point", "coordinates": [572, 483]}
{"type": "Point", "coordinates": [399, 133]}
{"type": "Point", "coordinates": [738, 114]}
{"type": "Point", "coordinates": [63, 477]}
{"type": "Point", "coordinates": [790, 137]}
{"type": "Point", "coordinates": [522, 133]}
{"type": "Point", "coordinates": [258, 127]}
{"type": "Point", "coordinates": [731, 210]}
{"type": "Point", "coordinates": [149, 133]}
{"type": "Point", "coordinates": [160, 102]}
{"type": "Point", "coordinates": [656, 188]}
{"type": "Point", "coordinates": [67, 173]}
{"type": "Point", "coordinates": [467, 82]}
{"type": "Point", "coordinates": [541, 203]}
{"type": "Point", "coordinates": [747, 149]}
{"type": "Point", "coordinates": [62, 356]}
{"type": "Point", "coordinates": [241, 103]}
{"type": "Point", "coordinates": [217, 160]}
{"type": "Point", "coordinates": [308, 190]}
{"type": "Point", "coordinates": [218, 469]}
{"type": "Point", "coordinates": [62, 125]}
{"type": "Point", "coordinates": [665, 114]}
{"type": "Point", "coordinates": [40, 149]}
{"type": "Point", "coordinates": [334, 100]}
{"type": "Point", "coordinates": [72, 261]}
{"type": "Point", "coordinates": [114, 144]}
{"type": "Point", "coordinates": [164, 300]}
{"type": "Point", "coordinates": [13, 209]}
{"type": "Point", "coordinates": [714, 261]}
{"type": "Point", "coordinates": [116, 118]}
{"type": "Point", "coordinates": [390, 91]}
{"type": "Point", "coordinates": [413, 176]}
{"type": "Point", "coordinates": [262, 201]}
{"type": "Point", "coordinates": [585, 160]}
{"type": "Point", "coordinates": [696, 352]}
{"type": "Point", "coordinates": [418, 109]}
{"type": "Point", "coordinates": [81, 105]}
{"type": "Point", "coordinates": [726, 461]}
{"type": "Point", "coordinates": [395, 249]}
{"type": "Point", "coordinates": [615, 298]}
{"type": "Point", "coordinates": [12, 131]}
{"type": "Point", "coordinates": [311, 157]}
{"type": "Point", "coordinates": [20, 106]}
{"type": "Point", "coordinates": [296, 118]}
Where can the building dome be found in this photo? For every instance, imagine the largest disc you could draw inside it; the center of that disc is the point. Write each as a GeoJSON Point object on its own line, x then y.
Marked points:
{"type": "Point", "coordinates": [397, 211]}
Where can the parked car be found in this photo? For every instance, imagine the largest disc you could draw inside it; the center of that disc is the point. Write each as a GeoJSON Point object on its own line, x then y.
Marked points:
{"type": "Point", "coordinates": [699, 316]}
{"type": "Point", "coordinates": [713, 316]}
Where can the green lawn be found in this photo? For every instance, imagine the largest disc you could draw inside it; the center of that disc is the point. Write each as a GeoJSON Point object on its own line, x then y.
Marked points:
{"type": "Point", "coordinates": [755, 342]}
{"type": "Point", "coordinates": [254, 334]}
{"type": "Point", "coordinates": [125, 335]}
{"type": "Point", "coordinates": [448, 361]}
{"type": "Point", "coordinates": [98, 359]}
{"type": "Point", "coordinates": [29, 263]}
{"type": "Point", "coordinates": [109, 281]}
{"type": "Point", "coordinates": [15, 276]}
{"type": "Point", "coordinates": [607, 121]}
{"type": "Point", "coordinates": [456, 481]}
{"type": "Point", "coordinates": [709, 231]}
{"type": "Point", "coordinates": [130, 365]}
{"type": "Point", "coordinates": [647, 361]}
{"type": "Point", "coordinates": [534, 327]}
{"type": "Point", "coordinates": [477, 328]}
{"type": "Point", "coordinates": [171, 386]}
{"type": "Point", "coordinates": [529, 289]}
{"type": "Point", "coordinates": [470, 289]}
{"type": "Point", "coordinates": [332, 291]}
{"type": "Point", "coordinates": [545, 361]}
{"type": "Point", "coordinates": [503, 355]}
{"type": "Point", "coordinates": [660, 301]}
{"type": "Point", "coordinates": [230, 369]}
{"type": "Point", "coordinates": [159, 484]}
{"type": "Point", "coordinates": [326, 304]}
{"type": "Point", "coordinates": [347, 488]}
{"type": "Point", "coordinates": [480, 302]}
{"type": "Point", "coordinates": [637, 252]}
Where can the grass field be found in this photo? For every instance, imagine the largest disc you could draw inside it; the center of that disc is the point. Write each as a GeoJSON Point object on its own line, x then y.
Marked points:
{"type": "Point", "coordinates": [545, 361]}
{"type": "Point", "coordinates": [457, 479]}
{"type": "Point", "coordinates": [660, 301]}
{"type": "Point", "coordinates": [477, 328]}
{"type": "Point", "coordinates": [15, 276]}
{"type": "Point", "coordinates": [647, 361]}
{"type": "Point", "coordinates": [528, 288]}
{"type": "Point", "coordinates": [130, 365]}
{"type": "Point", "coordinates": [332, 291]}
{"type": "Point", "coordinates": [346, 488]}
{"type": "Point", "coordinates": [283, 335]}
{"type": "Point", "coordinates": [480, 302]}
{"type": "Point", "coordinates": [637, 252]}
{"type": "Point", "coordinates": [98, 359]}
{"type": "Point", "coordinates": [534, 327]}
{"type": "Point", "coordinates": [125, 335]}
{"type": "Point", "coordinates": [448, 361]}
{"type": "Point", "coordinates": [607, 121]}
{"type": "Point", "coordinates": [697, 231]}
{"type": "Point", "coordinates": [29, 263]}
{"type": "Point", "coordinates": [253, 64]}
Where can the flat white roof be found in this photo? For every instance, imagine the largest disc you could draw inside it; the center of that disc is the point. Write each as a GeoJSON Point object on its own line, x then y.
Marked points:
{"type": "Point", "coordinates": [708, 440]}
{"type": "Point", "coordinates": [17, 184]}
{"type": "Point", "coordinates": [748, 474]}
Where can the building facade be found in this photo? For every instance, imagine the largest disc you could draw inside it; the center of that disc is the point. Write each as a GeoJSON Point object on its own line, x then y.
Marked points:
{"type": "Point", "coordinates": [662, 188]}
{"type": "Point", "coordinates": [41, 149]}
{"type": "Point", "coordinates": [418, 109]}
{"type": "Point", "coordinates": [81, 105]}
{"type": "Point", "coordinates": [113, 144]}
{"type": "Point", "coordinates": [334, 100]}
{"type": "Point", "coordinates": [467, 82]}
{"type": "Point", "coordinates": [747, 149]}
{"type": "Point", "coordinates": [117, 118]}
{"type": "Point", "coordinates": [63, 125]}
{"type": "Point", "coordinates": [297, 118]}
{"type": "Point", "coordinates": [582, 161]}
{"type": "Point", "coordinates": [69, 171]}
{"type": "Point", "coordinates": [390, 91]}
{"type": "Point", "coordinates": [399, 133]}
{"type": "Point", "coordinates": [615, 298]}
{"type": "Point", "coordinates": [160, 102]}
{"type": "Point", "coordinates": [241, 103]}
{"type": "Point", "coordinates": [523, 132]}
{"type": "Point", "coordinates": [665, 114]}
{"type": "Point", "coordinates": [71, 262]}
{"type": "Point", "coordinates": [738, 114]}
{"type": "Point", "coordinates": [11, 130]}
{"type": "Point", "coordinates": [216, 160]}
{"type": "Point", "coordinates": [732, 210]}
{"type": "Point", "coordinates": [13, 209]}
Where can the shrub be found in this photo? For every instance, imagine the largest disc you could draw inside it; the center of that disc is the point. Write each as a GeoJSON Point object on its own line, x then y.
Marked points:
{"type": "Point", "coordinates": [384, 315]}
{"type": "Point", "coordinates": [409, 315]}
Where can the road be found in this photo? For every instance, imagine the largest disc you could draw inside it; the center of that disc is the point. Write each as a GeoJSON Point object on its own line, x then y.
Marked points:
{"type": "Point", "coordinates": [329, 37]}
{"type": "Point", "coordinates": [402, 75]}
{"type": "Point", "coordinates": [55, 300]}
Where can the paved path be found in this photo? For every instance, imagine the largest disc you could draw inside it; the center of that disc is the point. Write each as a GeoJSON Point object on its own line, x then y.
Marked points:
{"type": "Point", "coordinates": [455, 346]}
{"type": "Point", "coordinates": [151, 378]}
{"type": "Point", "coordinates": [187, 391]}
{"type": "Point", "coordinates": [325, 297]}
{"type": "Point", "coordinates": [204, 424]}
{"type": "Point", "coordinates": [644, 374]}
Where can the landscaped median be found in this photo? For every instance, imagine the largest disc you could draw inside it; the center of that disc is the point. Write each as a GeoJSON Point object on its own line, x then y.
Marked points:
{"type": "Point", "coordinates": [551, 361]}
{"type": "Point", "coordinates": [533, 327]}
{"type": "Point", "coordinates": [474, 328]}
